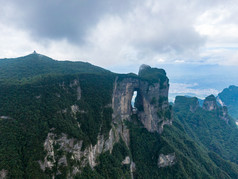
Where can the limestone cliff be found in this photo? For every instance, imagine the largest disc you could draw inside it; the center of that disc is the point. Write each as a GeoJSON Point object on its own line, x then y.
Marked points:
{"type": "Point", "coordinates": [210, 103]}
{"type": "Point", "coordinates": [166, 160]}
{"type": "Point", "coordinates": [152, 105]}
{"type": "Point", "coordinates": [152, 109]}
{"type": "Point", "coordinates": [55, 144]}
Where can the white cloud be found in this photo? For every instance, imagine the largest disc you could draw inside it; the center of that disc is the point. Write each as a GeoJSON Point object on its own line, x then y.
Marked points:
{"type": "Point", "coordinates": [190, 89]}
{"type": "Point", "coordinates": [149, 31]}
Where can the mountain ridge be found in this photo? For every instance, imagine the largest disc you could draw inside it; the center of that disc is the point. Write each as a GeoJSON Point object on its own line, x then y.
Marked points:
{"type": "Point", "coordinates": [80, 124]}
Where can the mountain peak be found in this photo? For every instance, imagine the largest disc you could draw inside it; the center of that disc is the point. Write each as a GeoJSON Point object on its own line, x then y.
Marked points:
{"type": "Point", "coordinates": [210, 103]}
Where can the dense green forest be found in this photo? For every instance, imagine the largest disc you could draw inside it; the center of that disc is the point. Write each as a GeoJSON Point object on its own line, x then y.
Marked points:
{"type": "Point", "coordinates": [39, 96]}
{"type": "Point", "coordinates": [205, 146]}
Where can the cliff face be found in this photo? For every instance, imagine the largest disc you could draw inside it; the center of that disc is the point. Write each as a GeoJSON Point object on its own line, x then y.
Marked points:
{"type": "Point", "coordinates": [229, 97]}
{"type": "Point", "coordinates": [190, 103]}
{"type": "Point", "coordinates": [73, 147]}
{"type": "Point", "coordinates": [152, 110]}
{"type": "Point", "coordinates": [210, 103]}
{"type": "Point", "coordinates": [75, 120]}
{"type": "Point", "coordinates": [151, 102]}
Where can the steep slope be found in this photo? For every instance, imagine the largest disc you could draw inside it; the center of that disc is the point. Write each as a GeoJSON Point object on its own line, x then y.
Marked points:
{"type": "Point", "coordinates": [56, 119]}
{"type": "Point", "coordinates": [187, 149]}
{"type": "Point", "coordinates": [229, 97]}
{"type": "Point", "coordinates": [209, 125]}
{"type": "Point", "coordinates": [37, 65]}
{"type": "Point", "coordinates": [75, 120]}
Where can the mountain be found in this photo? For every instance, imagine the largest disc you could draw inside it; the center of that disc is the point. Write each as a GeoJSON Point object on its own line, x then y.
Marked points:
{"type": "Point", "coordinates": [229, 97]}
{"type": "Point", "coordinates": [36, 65]}
{"type": "Point", "coordinates": [75, 120]}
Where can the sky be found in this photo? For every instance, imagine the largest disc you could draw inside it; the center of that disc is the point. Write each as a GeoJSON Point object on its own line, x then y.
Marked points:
{"type": "Point", "coordinates": [189, 39]}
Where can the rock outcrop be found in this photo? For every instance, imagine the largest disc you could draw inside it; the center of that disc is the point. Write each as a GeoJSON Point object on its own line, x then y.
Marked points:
{"type": "Point", "coordinates": [73, 148]}
{"type": "Point", "coordinates": [166, 160]}
{"type": "Point", "coordinates": [151, 102]}
{"type": "Point", "coordinates": [3, 174]}
{"type": "Point", "coordinates": [210, 103]}
{"type": "Point", "coordinates": [223, 113]}
{"type": "Point", "coordinates": [152, 109]}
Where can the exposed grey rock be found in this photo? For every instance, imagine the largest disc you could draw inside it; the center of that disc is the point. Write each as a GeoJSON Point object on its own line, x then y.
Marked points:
{"type": "Point", "coordinates": [152, 99]}
{"type": "Point", "coordinates": [166, 160]}
{"type": "Point", "coordinates": [3, 174]}
{"type": "Point", "coordinates": [146, 94]}
{"type": "Point", "coordinates": [79, 91]}
{"type": "Point", "coordinates": [126, 161]}
{"type": "Point", "coordinates": [132, 169]}
{"type": "Point", "coordinates": [5, 117]}
{"type": "Point", "coordinates": [224, 114]}
{"type": "Point", "coordinates": [63, 161]}
{"type": "Point", "coordinates": [121, 98]}
{"type": "Point", "coordinates": [38, 97]}
{"type": "Point", "coordinates": [74, 83]}
{"type": "Point", "coordinates": [74, 109]}
{"type": "Point", "coordinates": [49, 159]}
{"type": "Point", "coordinates": [210, 103]}
{"type": "Point", "coordinates": [220, 101]}
{"type": "Point", "coordinates": [74, 146]}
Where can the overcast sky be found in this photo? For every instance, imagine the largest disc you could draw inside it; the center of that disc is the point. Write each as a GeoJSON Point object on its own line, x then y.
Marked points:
{"type": "Point", "coordinates": [123, 33]}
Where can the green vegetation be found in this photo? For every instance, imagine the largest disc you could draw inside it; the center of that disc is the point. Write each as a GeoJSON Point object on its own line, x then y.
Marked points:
{"type": "Point", "coordinates": [35, 108]}
{"type": "Point", "coordinates": [34, 66]}
{"type": "Point", "coordinates": [193, 158]}
{"type": "Point", "coordinates": [36, 95]}
{"type": "Point", "coordinates": [230, 97]}
{"type": "Point", "coordinates": [39, 95]}
{"type": "Point", "coordinates": [208, 128]}
{"type": "Point", "coordinates": [153, 75]}
{"type": "Point", "coordinates": [110, 165]}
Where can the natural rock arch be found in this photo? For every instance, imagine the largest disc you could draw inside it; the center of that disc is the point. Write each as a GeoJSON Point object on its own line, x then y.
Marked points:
{"type": "Point", "coordinates": [151, 101]}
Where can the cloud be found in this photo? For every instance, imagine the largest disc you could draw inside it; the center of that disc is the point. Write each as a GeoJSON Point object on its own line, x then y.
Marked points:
{"type": "Point", "coordinates": [190, 89]}
{"type": "Point", "coordinates": [58, 19]}
{"type": "Point", "coordinates": [110, 32]}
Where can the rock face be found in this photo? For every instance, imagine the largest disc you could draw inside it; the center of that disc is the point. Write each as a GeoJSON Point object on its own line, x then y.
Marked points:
{"type": "Point", "coordinates": [126, 161]}
{"type": "Point", "coordinates": [152, 108]}
{"type": "Point", "coordinates": [151, 102]}
{"type": "Point", "coordinates": [210, 103]}
{"type": "Point", "coordinates": [3, 174]}
{"type": "Point", "coordinates": [73, 148]}
{"type": "Point", "coordinates": [166, 160]}
{"type": "Point", "coordinates": [224, 114]}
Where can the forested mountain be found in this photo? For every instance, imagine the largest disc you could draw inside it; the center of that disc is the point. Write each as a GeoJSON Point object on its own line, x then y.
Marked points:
{"type": "Point", "coordinates": [35, 65]}
{"type": "Point", "coordinates": [75, 120]}
{"type": "Point", "coordinates": [229, 97]}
